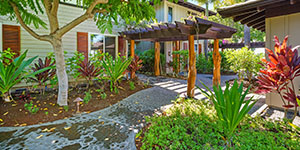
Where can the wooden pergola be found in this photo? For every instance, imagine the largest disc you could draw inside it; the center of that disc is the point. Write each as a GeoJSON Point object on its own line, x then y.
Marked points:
{"type": "Point", "coordinates": [181, 31]}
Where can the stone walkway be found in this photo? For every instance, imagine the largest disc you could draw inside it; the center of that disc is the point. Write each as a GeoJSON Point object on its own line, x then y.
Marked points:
{"type": "Point", "coordinates": [114, 127]}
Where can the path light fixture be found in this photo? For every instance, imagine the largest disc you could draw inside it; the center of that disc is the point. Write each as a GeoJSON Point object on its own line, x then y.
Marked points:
{"type": "Point", "coordinates": [77, 101]}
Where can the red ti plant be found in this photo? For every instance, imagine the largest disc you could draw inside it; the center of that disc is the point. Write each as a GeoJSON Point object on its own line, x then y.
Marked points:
{"type": "Point", "coordinates": [279, 72]}
{"type": "Point", "coordinates": [88, 70]}
{"type": "Point", "coordinates": [46, 75]}
{"type": "Point", "coordinates": [136, 64]}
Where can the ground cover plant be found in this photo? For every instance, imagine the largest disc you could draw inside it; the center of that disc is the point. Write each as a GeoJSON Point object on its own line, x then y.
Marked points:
{"type": "Point", "coordinates": [193, 124]}
{"type": "Point", "coordinates": [278, 74]}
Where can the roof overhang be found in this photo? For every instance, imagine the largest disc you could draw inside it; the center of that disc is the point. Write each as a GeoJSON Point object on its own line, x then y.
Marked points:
{"type": "Point", "coordinates": [201, 28]}
{"type": "Point", "coordinates": [254, 12]}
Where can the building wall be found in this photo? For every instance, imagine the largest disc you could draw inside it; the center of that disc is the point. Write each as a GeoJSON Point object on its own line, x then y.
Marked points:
{"type": "Point", "coordinates": [282, 26]}
{"type": "Point", "coordinates": [66, 14]}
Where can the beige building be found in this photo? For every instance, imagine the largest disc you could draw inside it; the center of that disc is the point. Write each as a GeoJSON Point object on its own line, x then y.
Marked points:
{"type": "Point", "coordinates": [275, 17]}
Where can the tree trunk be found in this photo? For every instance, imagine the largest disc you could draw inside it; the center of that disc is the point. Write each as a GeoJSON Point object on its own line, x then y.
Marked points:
{"type": "Point", "coordinates": [205, 41]}
{"type": "Point", "coordinates": [247, 35]}
{"type": "Point", "coordinates": [62, 99]}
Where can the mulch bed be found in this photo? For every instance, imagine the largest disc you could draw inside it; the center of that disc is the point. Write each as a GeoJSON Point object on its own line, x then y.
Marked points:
{"type": "Point", "coordinates": [246, 84]}
{"type": "Point", "coordinates": [14, 114]}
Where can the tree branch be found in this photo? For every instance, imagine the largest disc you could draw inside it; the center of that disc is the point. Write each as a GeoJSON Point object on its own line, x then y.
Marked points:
{"type": "Point", "coordinates": [54, 7]}
{"type": "Point", "coordinates": [90, 12]}
{"type": "Point", "coordinates": [29, 30]}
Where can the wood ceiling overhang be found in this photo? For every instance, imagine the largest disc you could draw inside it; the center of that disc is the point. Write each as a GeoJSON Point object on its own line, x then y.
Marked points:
{"type": "Point", "coordinates": [253, 13]}
{"type": "Point", "coordinates": [179, 31]}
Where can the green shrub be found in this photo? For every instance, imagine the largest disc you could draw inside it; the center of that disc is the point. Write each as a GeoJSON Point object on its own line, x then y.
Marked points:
{"type": "Point", "coordinates": [193, 124]}
{"type": "Point", "coordinates": [131, 85]}
{"type": "Point", "coordinates": [114, 70]}
{"type": "Point", "coordinates": [244, 62]}
{"type": "Point", "coordinates": [183, 58]}
{"type": "Point", "coordinates": [73, 66]}
{"type": "Point", "coordinates": [207, 66]}
{"type": "Point", "coordinates": [148, 60]}
{"type": "Point", "coordinates": [230, 105]}
{"type": "Point", "coordinates": [87, 97]}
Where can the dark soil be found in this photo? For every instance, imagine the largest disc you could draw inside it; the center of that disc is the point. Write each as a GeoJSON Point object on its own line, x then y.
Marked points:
{"type": "Point", "coordinates": [14, 113]}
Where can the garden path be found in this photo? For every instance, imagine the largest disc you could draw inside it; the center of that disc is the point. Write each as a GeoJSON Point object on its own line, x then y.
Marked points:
{"type": "Point", "coordinates": [114, 127]}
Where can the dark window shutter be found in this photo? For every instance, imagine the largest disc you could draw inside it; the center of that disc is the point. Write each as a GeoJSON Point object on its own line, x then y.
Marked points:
{"type": "Point", "coordinates": [11, 38]}
{"type": "Point", "coordinates": [82, 44]}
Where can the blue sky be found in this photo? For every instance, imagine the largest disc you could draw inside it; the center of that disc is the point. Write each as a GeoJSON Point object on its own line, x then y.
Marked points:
{"type": "Point", "coordinates": [210, 6]}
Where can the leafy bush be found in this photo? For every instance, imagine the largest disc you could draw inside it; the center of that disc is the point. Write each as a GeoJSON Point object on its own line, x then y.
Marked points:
{"type": "Point", "coordinates": [230, 105]}
{"type": "Point", "coordinates": [148, 60]}
{"type": "Point", "coordinates": [13, 74]}
{"type": "Point", "coordinates": [73, 66]}
{"type": "Point", "coordinates": [183, 59]}
{"type": "Point", "coordinates": [207, 66]}
{"type": "Point", "coordinates": [7, 56]}
{"type": "Point", "coordinates": [244, 62]}
{"type": "Point", "coordinates": [33, 109]}
{"type": "Point", "coordinates": [193, 124]}
{"type": "Point", "coordinates": [279, 71]}
{"type": "Point", "coordinates": [131, 85]}
{"type": "Point", "coordinates": [135, 65]}
{"type": "Point", "coordinates": [87, 97]}
{"type": "Point", "coordinates": [115, 69]}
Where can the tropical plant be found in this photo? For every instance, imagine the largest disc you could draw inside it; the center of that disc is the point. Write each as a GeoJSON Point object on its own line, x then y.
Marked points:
{"type": "Point", "coordinates": [280, 70]}
{"type": "Point", "coordinates": [106, 14]}
{"type": "Point", "coordinates": [135, 65]}
{"type": "Point", "coordinates": [244, 62]}
{"type": "Point", "coordinates": [148, 60]}
{"type": "Point", "coordinates": [73, 66]}
{"type": "Point", "coordinates": [183, 59]}
{"type": "Point", "coordinates": [33, 109]}
{"type": "Point", "coordinates": [7, 56]}
{"type": "Point", "coordinates": [89, 71]}
{"type": "Point", "coordinates": [87, 97]}
{"type": "Point", "coordinates": [43, 77]}
{"type": "Point", "coordinates": [114, 69]}
{"type": "Point", "coordinates": [131, 85]}
{"type": "Point", "coordinates": [230, 105]}
{"type": "Point", "coordinates": [13, 74]}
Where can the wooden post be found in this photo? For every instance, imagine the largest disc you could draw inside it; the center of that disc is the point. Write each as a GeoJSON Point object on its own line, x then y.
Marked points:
{"type": "Point", "coordinates": [192, 67]}
{"type": "Point", "coordinates": [177, 59]}
{"type": "Point", "coordinates": [156, 58]}
{"type": "Point", "coordinates": [132, 48]}
{"type": "Point", "coordinates": [132, 74]}
{"type": "Point", "coordinates": [217, 64]}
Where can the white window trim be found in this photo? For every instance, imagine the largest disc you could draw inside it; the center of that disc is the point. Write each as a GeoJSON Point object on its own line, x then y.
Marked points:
{"type": "Point", "coordinates": [110, 35]}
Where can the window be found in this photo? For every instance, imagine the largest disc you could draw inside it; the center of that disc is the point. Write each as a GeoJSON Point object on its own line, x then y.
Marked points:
{"type": "Point", "coordinates": [103, 43]}
{"type": "Point", "coordinates": [170, 14]}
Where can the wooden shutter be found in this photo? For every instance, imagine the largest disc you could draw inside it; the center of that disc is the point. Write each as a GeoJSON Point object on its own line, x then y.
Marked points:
{"type": "Point", "coordinates": [82, 44]}
{"type": "Point", "coordinates": [121, 44]}
{"type": "Point", "coordinates": [11, 38]}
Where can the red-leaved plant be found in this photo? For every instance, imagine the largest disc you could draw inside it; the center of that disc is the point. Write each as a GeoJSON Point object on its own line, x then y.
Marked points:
{"type": "Point", "coordinates": [46, 75]}
{"type": "Point", "coordinates": [135, 65]}
{"type": "Point", "coordinates": [88, 70]}
{"type": "Point", "coordinates": [279, 73]}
